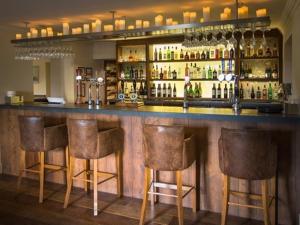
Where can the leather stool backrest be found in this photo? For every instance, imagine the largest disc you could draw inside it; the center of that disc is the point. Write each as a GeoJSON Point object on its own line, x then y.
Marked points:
{"type": "Point", "coordinates": [31, 133]}
{"type": "Point", "coordinates": [163, 147]}
{"type": "Point", "coordinates": [247, 154]}
{"type": "Point", "coordinates": [83, 137]}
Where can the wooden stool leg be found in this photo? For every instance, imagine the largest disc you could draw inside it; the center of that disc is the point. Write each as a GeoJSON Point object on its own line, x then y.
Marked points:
{"type": "Point", "coordinates": [67, 163]}
{"type": "Point", "coordinates": [273, 199]}
{"type": "Point", "coordinates": [86, 174]}
{"type": "Point", "coordinates": [194, 191]}
{"type": "Point", "coordinates": [226, 190]}
{"type": "Point", "coordinates": [264, 191]}
{"type": "Point", "coordinates": [153, 198]}
{"type": "Point", "coordinates": [70, 181]}
{"type": "Point", "coordinates": [42, 176]}
{"type": "Point", "coordinates": [21, 168]}
{"type": "Point", "coordinates": [95, 182]}
{"type": "Point", "coordinates": [119, 170]}
{"type": "Point", "coordinates": [179, 197]}
{"type": "Point", "coordinates": [145, 198]}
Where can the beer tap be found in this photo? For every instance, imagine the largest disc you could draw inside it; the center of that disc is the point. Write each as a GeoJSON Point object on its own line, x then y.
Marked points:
{"type": "Point", "coordinates": [97, 82]}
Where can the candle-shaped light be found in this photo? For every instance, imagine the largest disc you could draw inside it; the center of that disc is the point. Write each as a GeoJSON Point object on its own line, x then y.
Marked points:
{"type": "Point", "coordinates": [261, 12]}
{"type": "Point", "coordinates": [122, 24]}
{"type": "Point", "coordinates": [86, 28]}
{"type": "Point", "coordinates": [93, 27]}
{"type": "Point", "coordinates": [224, 16]}
{"type": "Point", "coordinates": [159, 20]}
{"type": "Point", "coordinates": [193, 16]}
{"type": "Point", "coordinates": [28, 34]}
{"type": "Point", "coordinates": [49, 29]}
{"type": "Point", "coordinates": [18, 36]}
{"type": "Point", "coordinates": [201, 20]}
{"type": "Point", "coordinates": [169, 21]}
{"type": "Point", "coordinates": [98, 26]}
{"type": "Point", "coordinates": [138, 24]}
{"type": "Point", "coordinates": [245, 11]}
{"type": "Point", "coordinates": [74, 30]}
{"type": "Point", "coordinates": [43, 32]}
{"type": "Point", "coordinates": [186, 17]}
{"type": "Point", "coordinates": [228, 12]}
{"type": "Point", "coordinates": [34, 33]}
{"type": "Point", "coordinates": [117, 24]}
{"type": "Point", "coordinates": [108, 27]}
{"type": "Point", "coordinates": [206, 14]}
{"type": "Point", "coordinates": [66, 29]}
{"type": "Point", "coordinates": [175, 22]}
{"type": "Point", "coordinates": [146, 24]}
{"type": "Point", "coordinates": [78, 30]}
{"type": "Point", "coordinates": [59, 34]}
{"type": "Point", "coordinates": [130, 27]}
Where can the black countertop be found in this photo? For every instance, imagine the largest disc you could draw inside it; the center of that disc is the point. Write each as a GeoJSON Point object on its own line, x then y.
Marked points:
{"type": "Point", "coordinates": [226, 114]}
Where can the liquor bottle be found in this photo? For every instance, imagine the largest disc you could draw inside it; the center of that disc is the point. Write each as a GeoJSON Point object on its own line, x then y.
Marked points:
{"type": "Point", "coordinates": [179, 74]}
{"type": "Point", "coordinates": [131, 72]}
{"type": "Point", "coordinates": [225, 92]}
{"type": "Point", "coordinates": [141, 89]}
{"type": "Point", "coordinates": [221, 53]}
{"type": "Point", "coordinates": [169, 73]}
{"type": "Point", "coordinates": [174, 91]}
{"type": "Point", "coordinates": [136, 73]}
{"type": "Point", "coordinates": [252, 93]}
{"type": "Point", "coordinates": [191, 71]}
{"type": "Point", "coordinates": [275, 50]}
{"type": "Point", "coordinates": [141, 72]}
{"type": "Point", "coordinates": [130, 57]}
{"type": "Point", "coordinates": [214, 91]}
{"type": "Point", "coordinates": [268, 52]}
{"type": "Point", "coordinates": [275, 92]}
{"type": "Point", "coordinates": [217, 55]}
{"type": "Point", "coordinates": [145, 90]}
{"type": "Point", "coordinates": [165, 76]}
{"type": "Point", "coordinates": [176, 55]}
{"type": "Point", "coordinates": [231, 54]}
{"type": "Point", "coordinates": [270, 92]}
{"type": "Point", "coordinates": [200, 90]}
{"type": "Point", "coordinates": [196, 91]}
{"type": "Point", "coordinates": [258, 93]}
{"type": "Point", "coordinates": [268, 72]}
{"type": "Point", "coordinates": [168, 53]}
{"type": "Point", "coordinates": [275, 72]}
{"type": "Point", "coordinates": [181, 54]}
{"type": "Point", "coordinates": [204, 75]}
{"type": "Point", "coordinates": [155, 55]}
{"type": "Point", "coordinates": [134, 85]}
{"type": "Point", "coordinates": [161, 74]}
{"type": "Point", "coordinates": [169, 91]}
{"type": "Point", "coordinates": [127, 73]}
{"type": "Point", "coordinates": [209, 73]}
{"type": "Point", "coordinates": [215, 74]}
{"type": "Point", "coordinates": [230, 92]}
{"type": "Point", "coordinates": [242, 70]}
{"type": "Point", "coordinates": [192, 55]}
{"type": "Point", "coordinates": [159, 91]}
{"type": "Point", "coordinates": [241, 92]}
{"type": "Point", "coordinates": [126, 91]}
{"type": "Point", "coordinates": [212, 54]}
{"type": "Point", "coordinates": [172, 54]}
{"type": "Point", "coordinates": [165, 53]}
{"type": "Point", "coordinates": [226, 53]}
{"type": "Point", "coordinates": [260, 51]}
{"type": "Point", "coordinates": [247, 94]}
{"type": "Point", "coordinates": [198, 55]}
{"type": "Point", "coordinates": [153, 90]}
{"type": "Point", "coordinates": [153, 72]}
{"type": "Point", "coordinates": [186, 56]}
{"type": "Point", "coordinates": [174, 75]}
{"type": "Point", "coordinates": [242, 53]}
{"type": "Point", "coordinates": [207, 54]}
{"type": "Point", "coordinates": [219, 71]}
{"type": "Point", "coordinates": [199, 73]}
{"type": "Point", "coordinates": [131, 90]}
{"type": "Point", "coordinates": [190, 91]}
{"type": "Point", "coordinates": [160, 54]}
{"type": "Point", "coordinates": [280, 93]}
{"type": "Point", "coordinates": [156, 72]}
{"type": "Point", "coordinates": [219, 91]}
{"type": "Point", "coordinates": [248, 50]}
{"type": "Point", "coordinates": [186, 70]}
{"type": "Point", "coordinates": [265, 93]}
{"type": "Point", "coordinates": [203, 55]}
{"type": "Point", "coordinates": [164, 90]}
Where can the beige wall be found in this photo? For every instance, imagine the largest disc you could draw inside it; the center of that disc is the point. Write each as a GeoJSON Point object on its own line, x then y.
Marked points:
{"type": "Point", "coordinates": [14, 74]}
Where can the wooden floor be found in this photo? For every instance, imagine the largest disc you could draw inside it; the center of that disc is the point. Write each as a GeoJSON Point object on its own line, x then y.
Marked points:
{"type": "Point", "coordinates": [23, 208]}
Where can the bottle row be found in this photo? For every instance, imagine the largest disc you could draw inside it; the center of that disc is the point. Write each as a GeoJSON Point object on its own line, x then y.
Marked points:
{"type": "Point", "coordinates": [250, 51]}
{"type": "Point", "coordinates": [271, 71]}
{"type": "Point", "coordinates": [174, 53]}
{"type": "Point", "coordinates": [193, 71]}
{"type": "Point", "coordinates": [266, 93]}
{"type": "Point", "coordinates": [133, 72]}
{"type": "Point", "coordinates": [141, 91]}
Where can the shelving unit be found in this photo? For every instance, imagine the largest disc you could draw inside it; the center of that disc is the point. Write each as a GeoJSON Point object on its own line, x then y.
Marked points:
{"type": "Point", "coordinates": [111, 80]}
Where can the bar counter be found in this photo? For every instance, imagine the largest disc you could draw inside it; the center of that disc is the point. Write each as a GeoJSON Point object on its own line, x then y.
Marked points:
{"type": "Point", "coordinates": [204, 123]}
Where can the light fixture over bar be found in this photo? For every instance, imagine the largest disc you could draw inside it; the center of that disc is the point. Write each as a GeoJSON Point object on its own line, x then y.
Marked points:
{"type": "Point", "coordinates": [170, 30]}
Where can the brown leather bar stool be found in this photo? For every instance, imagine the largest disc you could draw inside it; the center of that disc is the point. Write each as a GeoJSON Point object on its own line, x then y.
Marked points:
{"type": "Point", "coordinates": [250, 155]}
{"type": "Point", "coordinates": [167, 148]}
{"type": "Point", "coordinates": [36, 136]}
{"type": "Point", "coordinates": [88, 142]}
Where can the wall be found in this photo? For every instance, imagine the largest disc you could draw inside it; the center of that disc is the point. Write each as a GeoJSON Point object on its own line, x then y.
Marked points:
{"type": "Point", "coordinates": [41, 87]}
{"type": "Point", "coordinates": [14, 74]}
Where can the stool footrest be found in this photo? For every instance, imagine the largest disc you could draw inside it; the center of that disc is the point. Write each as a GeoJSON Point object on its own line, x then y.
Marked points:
{"type": "Point", "coordinates": [244, 205]}
{"type": "Point", "coordinates": [170, 186]}
{"type": "Point", "coordinates": [100, 173]}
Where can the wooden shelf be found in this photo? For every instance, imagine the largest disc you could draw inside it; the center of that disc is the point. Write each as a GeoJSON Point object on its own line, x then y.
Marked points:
{"type": "Point", "coordinates": [257, 58]}
{"type": "Point", "coordinates": [183, 79]}
{"type": "Point", "coordinates": [131, 62]}
{"type": "Point", "coordinates": [188, 61]}
{"type": "Point", "coordinates": [131, 80]}
{"type": "Point", "coordinates": [259, 80]}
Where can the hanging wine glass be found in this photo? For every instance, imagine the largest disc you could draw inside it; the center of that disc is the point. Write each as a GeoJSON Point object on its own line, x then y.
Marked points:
{"type": "Point", "coordinates": [214, 40]}
{"type": "Point", "coordinates": [242, 41]}
{"type": "Point", "coordinates": [223, 40]}
{"type": "Point", "coordinates": [232, 39]}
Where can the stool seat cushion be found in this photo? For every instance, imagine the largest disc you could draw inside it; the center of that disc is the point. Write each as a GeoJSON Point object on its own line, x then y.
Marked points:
{"type": "Point", "coordinates": [167, 149]}
{"type": "Point", "coordinates": [247, 154]}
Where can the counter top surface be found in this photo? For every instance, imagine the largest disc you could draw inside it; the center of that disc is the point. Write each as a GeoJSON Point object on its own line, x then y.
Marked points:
{"type": "Point", "coordinates": [162, 111]}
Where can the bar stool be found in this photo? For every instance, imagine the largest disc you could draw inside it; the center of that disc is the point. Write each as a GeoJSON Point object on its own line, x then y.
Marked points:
{"type": "Point", "coordinates": [250, 155]}
{"type": "Point", "coordinates": [167, 148]}
{"type": "Point", "coordinates": [87, 142]}
{"type": "Point", "coordinates": [36, 136]}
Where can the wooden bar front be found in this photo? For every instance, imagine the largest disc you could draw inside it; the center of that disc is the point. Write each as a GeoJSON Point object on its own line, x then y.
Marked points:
{"type": "Point", "coordinates": [209, 177]}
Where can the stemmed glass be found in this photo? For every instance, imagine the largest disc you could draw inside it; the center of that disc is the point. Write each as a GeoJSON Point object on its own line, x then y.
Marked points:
{"type": "Point", "coordinates": [242, 41]}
